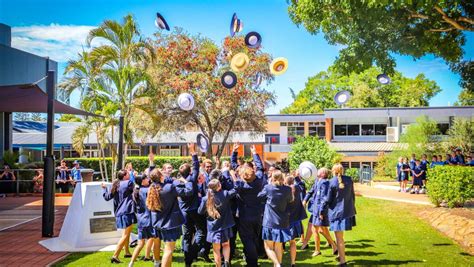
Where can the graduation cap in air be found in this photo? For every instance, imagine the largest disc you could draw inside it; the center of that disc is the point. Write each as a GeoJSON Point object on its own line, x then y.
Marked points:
{"type": "Point", "coordinates": [253, 40]}
{"type": "Point", "coordinates": [383, 78]}
{"type": "Point", "coordinates": [342, 97]}
{"type": "Point", "coordinates": [202, 142]}
{"type": "Point", "coordinates": [161, 23]}
{"type": "Point", "coordinates": [239, 62]}
{"type": "Point", "coordinates": [307, 170]}
{"type": "Point", "coordinates": [279, 66]}
{"type": "Point", "coordinates": [235, 25]}
{"type": "Point", "coordinates": [186, 101]}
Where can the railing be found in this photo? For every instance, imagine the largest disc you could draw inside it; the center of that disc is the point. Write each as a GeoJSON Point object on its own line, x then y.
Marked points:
{"type": "Point", "coordinates": [365, 174]}
{"type": "Point", "coordinates": [24, 182]}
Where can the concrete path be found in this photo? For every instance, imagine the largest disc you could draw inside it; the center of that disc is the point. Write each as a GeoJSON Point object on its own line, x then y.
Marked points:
{"type": "Point", "coordinates": [391, 194]}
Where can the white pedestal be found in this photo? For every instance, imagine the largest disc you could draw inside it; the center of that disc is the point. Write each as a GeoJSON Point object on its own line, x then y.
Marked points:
{"type": "Point", "coordinates": [89, 224]}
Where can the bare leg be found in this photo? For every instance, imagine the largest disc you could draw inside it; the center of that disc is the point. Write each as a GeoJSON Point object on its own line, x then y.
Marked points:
{"type": "Point", "coordinates": [271, 253]}
{"type": "Point", "coordinates": [325, 232]}
{"type": "Point", "coordinates": [121, 243]}
{"type": "Point", "coordinates": [307, 237]}
{"type": "Point", "coordinates": [216, 249]}
{"type": "Point", "coordinates": [226, 250]}
{"type": "Point", "coordinates": [149, 245]}
{"type": "Point", "coordinates": [137, 250]}
{"type": "Point", "coordinates": [168, 254]}
{"type": "Point", "coordinates": [317, 247]}
{"type": "Point", "coordinates": [279, 251]}
{"type": "Point", "coordinates": [293, 251]}
{"type": "Point", "coordinates": [127, 244]}
{"type": "Point", "coordinates": [341, 246]}
{"type": "Point", "coordinates": [156, 248]}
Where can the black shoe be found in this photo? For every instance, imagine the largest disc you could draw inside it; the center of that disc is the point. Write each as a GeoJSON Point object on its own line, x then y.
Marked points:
{"type": "Point", "coordinates": [143, 258]}
{"type": "Point", "coordinates": [343, 264]}
{"type": "Point", "coordinates": [226, 264]}
{"type": "Point", "coordinates": [133, 244]}
{"type": "Point", "coordinates": [114, 260]}
{"type": "Point", "coordinates": [335, 252]}
{"type": "Point", "coordinates": [127, 256]}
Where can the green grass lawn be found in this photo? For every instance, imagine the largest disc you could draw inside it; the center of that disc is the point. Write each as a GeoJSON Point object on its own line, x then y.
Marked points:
{"type": "Point", "coordinates": [387, 233]}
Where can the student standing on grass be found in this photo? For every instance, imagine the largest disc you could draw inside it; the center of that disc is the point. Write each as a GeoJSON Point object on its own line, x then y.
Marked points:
{"type": "Point", "coordinates": [297, 215]}
{"type": "Point", "coordinates": [276, 220]}
{"type": "Point", "coordinates": [194, 227]}
{"type": "Point", "coordinates": [341, 205]}
{"type": "Point", "coordinates": [146, 231]}
{"type": "Point", "coordinates": [124, 209]}
{"type": "Point", "coordinates": [167, 218]}
{"type": "Point", "coordinates": [406, 172]}
{"type": "Point", "coordinates": [418, 173]}
{"type": "Point", "coordinates": [216, 205]}
{"type": "Point", "coordinates": [308, 202]}
{"type": "Point", "coordinates": [401, 175]}
{"type": "Point", "coordinates": [320, 219]}
{"type": "Point", "coordinates": [249, 207]}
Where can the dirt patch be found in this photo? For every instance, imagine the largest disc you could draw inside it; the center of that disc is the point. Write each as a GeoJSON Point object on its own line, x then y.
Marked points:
{"type": "Point", "coordinates": [457, 224]}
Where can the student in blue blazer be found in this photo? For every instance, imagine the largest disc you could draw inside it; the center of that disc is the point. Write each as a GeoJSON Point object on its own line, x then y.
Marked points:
{"type": "Point", "coordinates": [166, 217]}
{"type": "Point", "coordinates": [341, 204]}
{"type": "Point", "coordinates": [276, 219]}
{"type": "Point", "coordinates": [146, 231]}
{"type": "Point", "coordinates": [320, 220]}
{"type": "Point", "coordinates": [194, 227]}
{"type": "Point", "coordinates": [217, 206]}
{"type": "Point", "coordinates": [250, 209]}
{"type": "Point", "coordinates": [124, 209]}
{"type": "Point", "coordinates": [297, 215]}
{"type": "Point", "coordinates": [308, 202]}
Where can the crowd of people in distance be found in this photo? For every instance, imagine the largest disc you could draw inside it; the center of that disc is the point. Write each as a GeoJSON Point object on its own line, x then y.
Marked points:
{"type": "Point", "coordinates": [208, 206]}
{"type": "Point", "coordinates": [415, 169]}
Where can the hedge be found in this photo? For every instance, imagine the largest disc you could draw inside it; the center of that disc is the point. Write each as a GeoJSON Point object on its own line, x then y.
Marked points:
{"type": "Point", "coordinates": [451, 184]}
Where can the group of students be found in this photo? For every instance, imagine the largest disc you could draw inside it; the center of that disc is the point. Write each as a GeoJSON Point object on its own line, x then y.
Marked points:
{"type": "Point", "coordinates": [209, 208]}
{"type": "Point", "coordinates": [416, 169]}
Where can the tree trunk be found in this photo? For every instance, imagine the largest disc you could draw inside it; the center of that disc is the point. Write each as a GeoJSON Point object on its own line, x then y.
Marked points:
{"type": "Point", "coordinates": [224, 141]}
{"type": "Point", "coordinates": [209, 148]}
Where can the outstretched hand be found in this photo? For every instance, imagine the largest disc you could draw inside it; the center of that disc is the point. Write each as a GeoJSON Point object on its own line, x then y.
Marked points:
{"type": "Point", "coordinates": [191, 149]}
{"type": "Point", "coordinates": [253, 149]}
{"type": "Point", "coordinates": [236, 147]}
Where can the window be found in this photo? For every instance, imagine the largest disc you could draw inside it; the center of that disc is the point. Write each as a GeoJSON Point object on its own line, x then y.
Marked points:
{"type": "Point", "coordinates": [295, 129]}
{"type": "Point", "coordinates": [340, 129]}
{"type": "Point", "coordinates": [355, 165]}
{"type": "Point", "coordinates": [170, 151]}
{"type": "Point", "coordinates": [272, 139]}
{"type": "Point", "coordinates": [317, 129]}
{"type": "Point", "coordinates": [368, 129]}
{"type": "Point", "coordinates": [443, 128]}
{"type": "Point", "coordinates": [353, 129]}
{"type": "Point", "coordinates": [247, 152]}
{"type": "Point", "coordinates": [345, 165]}
{"type": "Point", "coordinates": [380, 129]}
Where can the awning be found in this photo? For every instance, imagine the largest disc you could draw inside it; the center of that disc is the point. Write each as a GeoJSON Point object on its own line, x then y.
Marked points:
{"type": "Point", "coordinates": [30, 98]}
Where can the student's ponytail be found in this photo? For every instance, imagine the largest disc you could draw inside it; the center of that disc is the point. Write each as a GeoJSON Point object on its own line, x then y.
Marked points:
{"type": "Point", "coordinates": [338, 170]}
{"type": "Point", "coordinates": [115, 185]}
{"type": "Point", "coordinates": [211, 207]}
{"type": "Point", "coordinates": [153, 201]}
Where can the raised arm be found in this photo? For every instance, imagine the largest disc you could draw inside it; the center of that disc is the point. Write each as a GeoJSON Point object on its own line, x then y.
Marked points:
{"type": "Point", "coordinates": [257, 161]}
{"type": "Point", "coordinates": [233, 158]}
{"type": "Point", "coordinates": [195, 174]}
{"type": "Point", "coordinates": [202, 207]}
{"type": "Point", "coordinates": [106, 194]}
{"type": "Point", "coordinates": [310, 193]}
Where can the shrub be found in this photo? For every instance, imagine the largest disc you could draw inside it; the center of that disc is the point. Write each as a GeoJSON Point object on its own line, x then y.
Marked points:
{"type": "Point", "coordinates": [353, 173]}
{"type": "Point", "coordinates": [453, 184]}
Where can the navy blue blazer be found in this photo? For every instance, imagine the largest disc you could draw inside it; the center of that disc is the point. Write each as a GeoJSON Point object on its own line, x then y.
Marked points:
{"type": "Point", "coordinates": [250, 208]}
{"type": "Point", "coordinates": [143, 213]}
{"type": "Point", "coordinates": [340, 202]}
{"type": "Point", "coordinates": [277, 200]}
{"type": "Point", "coordinates": [190, 202]}
{"type": "Point", "coordinates": [170, 215]}
{"type": "Point", "coordinates": [123, 198]}
{"type": "Point", "coordinates": [309, 197]}
{"type": "Point", "coordinates": [297, 211]}
{"type": "Point", "coordinates": [223, 201]}
{"type": "Point", "coordinates": [300, 183]}
{"type": "Point", "coordinates": [320, 197]}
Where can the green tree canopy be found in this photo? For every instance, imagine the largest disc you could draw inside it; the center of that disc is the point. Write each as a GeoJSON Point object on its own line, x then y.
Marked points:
{"type": "Point", "coordinates": [314, 149]}
{"type": "Point", "coordinates": [372, 31]}
{"type": "Point", "coordinates": [320, 90]}
{"type": "Point", "coordinates": [69, 118]}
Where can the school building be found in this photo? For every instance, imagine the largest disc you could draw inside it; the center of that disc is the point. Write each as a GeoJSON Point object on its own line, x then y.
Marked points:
{"type": "Point", "coordinates": [359, 134]}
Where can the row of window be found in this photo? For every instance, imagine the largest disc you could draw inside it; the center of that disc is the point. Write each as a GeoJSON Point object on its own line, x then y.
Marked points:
{"type": "Point", "coordinates": [360, 129]}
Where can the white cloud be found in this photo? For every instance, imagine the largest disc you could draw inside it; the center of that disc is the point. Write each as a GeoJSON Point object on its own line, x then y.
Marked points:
{"type": "Point", "coordinates": [59, 42]}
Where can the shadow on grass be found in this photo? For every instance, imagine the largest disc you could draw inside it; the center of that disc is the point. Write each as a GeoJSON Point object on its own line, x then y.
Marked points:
{"type": "Point", "coordinates": [393, 244]}
{"type": "Point", "coordinates": [362, 245]}
{"type": "Point", "coordinates": [442, 244]}
{"type": "Point", "coordinates": [382, 262]}
{"type": "Point", "coordinates": [362, 253]}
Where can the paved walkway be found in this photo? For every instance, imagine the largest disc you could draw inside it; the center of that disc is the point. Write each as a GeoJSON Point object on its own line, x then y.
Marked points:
{"type": "Point", "coordinates": [392, 195]}
{"type": "Point", "coordinates": [20, 243]}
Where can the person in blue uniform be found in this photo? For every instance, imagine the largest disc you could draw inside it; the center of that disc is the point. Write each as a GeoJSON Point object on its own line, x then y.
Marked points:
{"type": "Point", "coordinates": [250, 209]}
{"type": "Point", "coordinates": [412, 163]}
{"type": "Point", "coordinates": [146, 231]}
{"type": "Point", "coordinates": [418, 173]}
{"type": "Point", "coordinates": [400, 174]}
{"type": "Point", "coordinates": [453, 160]}
{"type": "Point", "coordinates": [76, 172]}
{"type": "Point", "coordinates": [194, 228]}
{"type": "Point", "coordinates": [459, 156]}
{"type": "Point", "coordinates": [308, 202]}
{"type": "Point", "coordinates": [424, 165]}
{"type": "Point", "coordinates": [434, 161]}
{"type": "Point", "coordinates": [124, 208]}
{"type": "Point", "coordinates": [276, 219]}
{"type": "Point", "coordinates": [469, 161]}
{"type": "Point", "coordinates": [320, 215]}
{"type": "Point", "coordinates": [340, 203]}
{"type": "Point", "coordinates": [297, 215]}
{"type": "Point", "coordinates": [216, 206]}
{"type": "Point", "coordinates": [63, 177]}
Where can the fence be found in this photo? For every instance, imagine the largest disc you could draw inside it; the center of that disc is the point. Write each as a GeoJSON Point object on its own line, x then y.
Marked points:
{"type": "Point", "coordinates": [25, 183]}
{"type": "Point", "coordinates": [365, 174]}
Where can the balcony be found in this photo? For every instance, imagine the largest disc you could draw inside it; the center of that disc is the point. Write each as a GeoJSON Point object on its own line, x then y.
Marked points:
{"type": "Point", "coordinates": [277, 148]}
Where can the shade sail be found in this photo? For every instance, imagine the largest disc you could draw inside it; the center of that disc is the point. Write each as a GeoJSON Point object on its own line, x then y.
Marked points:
{"type": "Point", "coordinates": [30, 98]}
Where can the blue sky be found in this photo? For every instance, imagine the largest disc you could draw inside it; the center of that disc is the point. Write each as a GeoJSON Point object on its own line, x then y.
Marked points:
{"type": "Point", "coordinates": [58, 28]}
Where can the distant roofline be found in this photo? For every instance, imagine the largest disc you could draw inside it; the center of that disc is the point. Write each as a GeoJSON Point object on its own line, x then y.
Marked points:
{"type": "Point", "coordinates": [23, 51]}
{"type": "Point", "coordinates": [386, 108]}
{"type": "Point", "coordinates": [307, 114]}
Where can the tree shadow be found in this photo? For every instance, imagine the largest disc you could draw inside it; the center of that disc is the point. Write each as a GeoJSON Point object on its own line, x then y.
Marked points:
{"type": "Point", "coordinates": [362, 253]}
{"type": "Point", "coordinates": [382, 262]}
{"type": "Point", "coordinates": [362, 245]}
{"type": "Point", "coordinates": [393, 244]}
{"type": "Point", "coordinates": [442, 244]}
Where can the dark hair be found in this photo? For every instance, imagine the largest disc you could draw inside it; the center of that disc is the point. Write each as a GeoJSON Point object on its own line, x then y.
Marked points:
{"type": "Point", "coordinates": [115, 185]}
{"type": "Point", "coordinates": [250, 164]}
{"type": "Point", "coordinates": [185, 170]}
{"type": "Point", "coordinates": [215, 174]}
{"type": "Point", "coordinates": [136, 189]}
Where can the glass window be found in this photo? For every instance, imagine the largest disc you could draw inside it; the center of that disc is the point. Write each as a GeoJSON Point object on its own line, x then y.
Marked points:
{"type": "Point", "coordinates": [355, 165]}
{"type": "Point", "coordinates": [282, 123]}
{"type": "Point", "coordinates": [443, 128]}
{"type": "Point", "coordinates": [345, 165]}
{"type": "Point", "coordinates": [353, 129]}
{"type": "Point", "coordinates": [340, 129]}
{"type": "Point", "coordinates": [272, 139]}
{"type": "Point", "coordinates": [368, 129]}
{"type": "Point", "coordinates": [294, 131]}
{"type": "Point", "coordinates": [380, 129]}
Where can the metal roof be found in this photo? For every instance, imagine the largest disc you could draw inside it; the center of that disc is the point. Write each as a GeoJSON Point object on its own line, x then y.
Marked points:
{"type": "Point", "coordinates": [365, 146]}
{"type": "Point", "coordinates": [457, 111]}
{"type": "Point", "coordinates": [295, 117]}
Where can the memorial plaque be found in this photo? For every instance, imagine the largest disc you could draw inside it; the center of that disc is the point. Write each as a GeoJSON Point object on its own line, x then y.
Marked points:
{"type": "Point", "coordinates": [102, 213]}
{"type": "Point", "coordinates": [100, 225]}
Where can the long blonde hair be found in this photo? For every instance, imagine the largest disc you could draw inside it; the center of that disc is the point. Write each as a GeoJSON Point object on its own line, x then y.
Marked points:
{"type": "Point", "coordinates": [153, 201]}
{"type": "Point", "coordinates": [277, 178]}
{"type": "Point", "coordinates": [338, 170]}
{"type": "Point", "coordinates": [211, 208]}
{"type": "Point", "coordinates": [247, 173]}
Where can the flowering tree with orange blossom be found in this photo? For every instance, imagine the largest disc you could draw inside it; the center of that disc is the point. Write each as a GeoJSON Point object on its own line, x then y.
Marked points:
{"type": "Point", "coordinates": [194, 64]}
